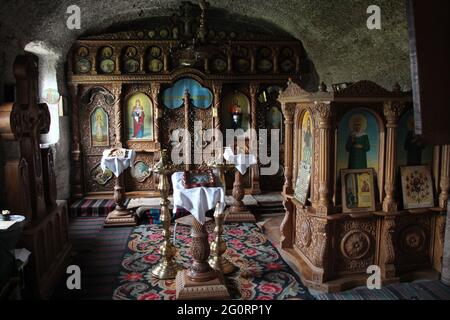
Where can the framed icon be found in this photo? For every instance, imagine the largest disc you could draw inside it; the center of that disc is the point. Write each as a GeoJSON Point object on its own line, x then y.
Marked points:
{"type": "Point", "coordinates": [358, 194]}
{"type": "Point", "coordinates": [417, 187]}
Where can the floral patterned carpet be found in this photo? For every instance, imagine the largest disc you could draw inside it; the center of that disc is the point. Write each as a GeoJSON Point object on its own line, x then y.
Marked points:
{"type": "Point", "coordinates": [262, 274]}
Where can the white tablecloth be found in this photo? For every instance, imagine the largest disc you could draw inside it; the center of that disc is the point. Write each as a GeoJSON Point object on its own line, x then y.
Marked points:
{"type": "Point", "coordinates": [117, 165]}
{"type": "Point", "coordinates": [241, 161]}
{"type": "Point", "coordinates": [196, 200]}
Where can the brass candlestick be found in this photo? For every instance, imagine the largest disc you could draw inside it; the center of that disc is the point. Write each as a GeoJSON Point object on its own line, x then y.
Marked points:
{"type": "Point", "coordinates": [219, 246]}
{"type": "Point", "coordinates": [167, 268]}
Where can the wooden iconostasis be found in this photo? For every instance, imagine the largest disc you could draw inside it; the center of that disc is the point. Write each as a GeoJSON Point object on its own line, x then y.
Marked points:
{"type": "Point", "coordinates": [127, 90]}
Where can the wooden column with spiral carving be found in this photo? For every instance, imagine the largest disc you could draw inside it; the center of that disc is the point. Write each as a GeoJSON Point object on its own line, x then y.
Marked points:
{"type": "Point", "coordinates": [288, 113]}
{"type": "Point", "coordinates": [117, 92]}
{"type": "Point", "coordinates": [388, 271]}
{"type": "Point", "coordinates": [445, 177]}
{"type": "Point", "coordinates": [217, 90]}
{"type": "Point", "coordinates": [392, 112]}
{"type": "Point", "coordinates": [254, 88]}
{"type": "Point", "coordinates": [323, 115]}
{"type": "Point", "coordinates": [77, 183]}
{"type": "Point", "coordinates": [155, 90]}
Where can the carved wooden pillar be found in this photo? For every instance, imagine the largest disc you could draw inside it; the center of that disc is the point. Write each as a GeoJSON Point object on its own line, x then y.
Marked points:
{"type": "Point", "coordinates": [118, 117]}
{"type": "Point", "coordinates": [155, 90]}
{"type": "Point", "coordinates": [288, 113]}
{"type": "Point", "coordinates": [141, 54]}
{"type": "Point", "coordinates": [187, 146]}
{"type": "Point", "coordinates": [217, 90]}
{"type": "Point", "coordinates": [252, 60]}
{"type": "Point", "coordinates": [388, 251]}
{"type": "Point", "coordinates": [436, 170]}
{"type": "Point", "coordinates": [117, 54]}
{"type": "Point", "coordinates": [254, 88]}
{"type": "Point", "coordinates": [230, 61]}
{"type": "Point", "coordinates": [445, 273]}
{"type": "Point", "coordinates": [276, 52]}
{"type": "Point", "coordinates": [93, 56]}
{"type": "Point", "coordinates": [297, 63]}
{"type": "Point", "coordinates": [77, 184]}
{"type": "Point", "coordinates": [206, 65]}
{"type": "Point", "coordinates": [445, 177]}
{"type": "Point", "coordinates": [323, 116]}
{"type": "Point", "coordinates": [166, 61]}
{"type": "Point", "coordinates": [392, 112]}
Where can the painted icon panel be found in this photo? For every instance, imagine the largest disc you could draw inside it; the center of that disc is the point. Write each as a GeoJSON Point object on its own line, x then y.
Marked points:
{"type": "Point", "coordinates": [139, 117]}
{"type": "Point", "coordinates": [358, 141]}
{"type": "Point", "coordinates": [417, 187]}
{"type": "Point", "coordinates": [411, 149]}
{"type": "Point", "coordinates": [99, 128]}
{"type": "Point", "coordinates": [358, 192]}
{"type": "Point", "coordinates": [235, 111]}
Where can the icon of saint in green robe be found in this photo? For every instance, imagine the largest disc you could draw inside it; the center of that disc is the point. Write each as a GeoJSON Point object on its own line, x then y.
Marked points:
{"type": "Point", "coordinates": [358, 143]}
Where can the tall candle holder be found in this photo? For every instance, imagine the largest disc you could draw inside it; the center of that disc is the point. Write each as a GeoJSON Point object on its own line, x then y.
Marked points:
{"type": "Point", "coordinates": [218, 247]}
{"type": "Point", "coordinates": [167, 268]}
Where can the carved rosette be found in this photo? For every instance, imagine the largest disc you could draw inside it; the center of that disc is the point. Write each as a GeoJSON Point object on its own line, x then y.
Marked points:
{"type": "Point", "coordinates": [305, 233]}
{"type": "Point", "coordinates": [311, 237]}
{"type": "Point", "coordinates": [412, 239]}
{"type": "Point", "coordinates": [356, 244]}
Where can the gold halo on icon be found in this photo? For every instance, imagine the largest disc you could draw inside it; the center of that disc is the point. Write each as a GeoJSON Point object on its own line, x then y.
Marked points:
{"type": "Point", "coordinates": [358, 118]}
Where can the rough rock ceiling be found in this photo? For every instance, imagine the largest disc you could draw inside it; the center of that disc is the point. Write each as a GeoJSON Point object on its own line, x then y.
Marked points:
{"type": "Point", "coordinates": [334, 33]}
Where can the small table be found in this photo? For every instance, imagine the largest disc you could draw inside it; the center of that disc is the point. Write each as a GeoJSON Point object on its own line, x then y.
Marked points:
{"type": "Point", "coordinates": [118, 160]}
{"type": "Point", "coordinates": [200, 281]}
{"type": "Point", "coordinates": [238, 211]}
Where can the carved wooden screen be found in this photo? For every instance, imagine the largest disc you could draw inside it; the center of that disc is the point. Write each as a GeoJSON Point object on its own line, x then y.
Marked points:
{"type": "Point", "coordinates": [96, 134]}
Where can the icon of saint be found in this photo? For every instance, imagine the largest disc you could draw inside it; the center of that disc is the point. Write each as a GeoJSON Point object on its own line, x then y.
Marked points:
{"type": "Point", "coordinates": [99, 125]}
{"type": "Point", "coordinates": [138, 120]}
{"type": "Point", "coordinates": [413, 145]}
{"type": "Point", "coordinates": [357, 143]}
{"type": "Point", "coordinates": [307, 137]}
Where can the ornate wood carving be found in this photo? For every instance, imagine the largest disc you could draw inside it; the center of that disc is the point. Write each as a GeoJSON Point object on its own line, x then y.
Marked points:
{"type": "Point", "coordinates": [293, 90]}
{"type": "Point", "coordinates": [217, 90]}
{"type": "Point", "coordinates": [388, 253]}
{"type": "Point", "coordinates": [392, 112]}
{"type": "Point", "coordinates": [322, 112]}
{"type": "Point", "coordinates": [445, 177]}
{"type": "Point", "coordinates": [357, 242]}
{"type": "Point", "coordinates": [287, 227]}
{"type": "Point", "coordinates": [413, 241]}
{"type": "Point", "coordinates": [28, 121]}
{"type": "Point", "coordinates": [118, 117]}
{"type": "Point", "coordinates": [288, 113]}
{"type": "Point", "coordinates": [254, 88]}
{"type": "Point", "coordinates": [155, 91]}
{"type": "Point", "coordinates": [365, 89]}
{"type": "Point", "coordinates": [311, 238]}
